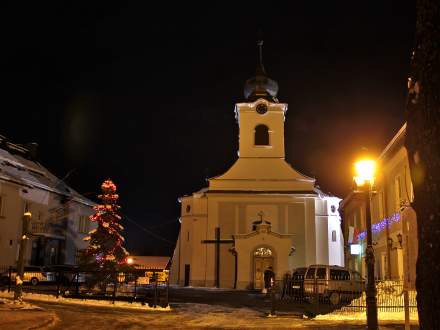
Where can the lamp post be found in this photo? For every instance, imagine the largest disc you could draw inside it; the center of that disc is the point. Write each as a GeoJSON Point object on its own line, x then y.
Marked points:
{"type": "Point", "coordinates": [18, 293]}
{"type": "Point", "coordinates": [364, 180]}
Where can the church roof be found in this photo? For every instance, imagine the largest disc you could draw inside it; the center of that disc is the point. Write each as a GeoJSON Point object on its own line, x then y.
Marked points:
{"type": "Point", "coordinates": [262, 174]}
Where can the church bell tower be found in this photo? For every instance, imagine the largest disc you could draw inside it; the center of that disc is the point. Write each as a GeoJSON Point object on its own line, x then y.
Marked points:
{"type": "Point", "coordinates": [261, 118]}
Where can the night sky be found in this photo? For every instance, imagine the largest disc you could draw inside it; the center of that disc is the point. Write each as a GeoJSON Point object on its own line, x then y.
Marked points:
{"type": "Point", "coordinates": [145, 95]}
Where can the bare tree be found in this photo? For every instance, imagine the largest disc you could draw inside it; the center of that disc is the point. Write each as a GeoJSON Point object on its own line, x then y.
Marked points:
{"type": "Point", "coordinates": [423, 145]}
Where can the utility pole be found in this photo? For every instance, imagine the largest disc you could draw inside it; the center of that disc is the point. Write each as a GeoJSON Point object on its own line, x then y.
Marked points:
{"type": "Point", "coordinates": [364, 180]}
{"type": "Point", "coordinates": [18, 294]}
{"type": "Point", "coordinates": [372, 322]}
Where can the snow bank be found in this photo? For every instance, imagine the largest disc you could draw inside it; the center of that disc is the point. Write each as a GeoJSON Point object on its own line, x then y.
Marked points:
{"type": "Point", "coordinates": [362, 316]}
{"type": "Point", "coordinates": [89, 302]}
{"type": "Point", "coordinates": [12, 305]}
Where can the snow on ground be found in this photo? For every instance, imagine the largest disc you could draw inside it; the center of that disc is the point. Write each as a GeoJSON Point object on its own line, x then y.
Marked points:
{"type": "Point", "coordinates": [361, 316]}
{"type": "Point", "coordinates": [64, 314]}
{"type": "Point", "coordinates": [89, 302]}
{"type": "Point", "coordinates": [18, 316]}
{"type": "Point", "coordinates": [11, 305]}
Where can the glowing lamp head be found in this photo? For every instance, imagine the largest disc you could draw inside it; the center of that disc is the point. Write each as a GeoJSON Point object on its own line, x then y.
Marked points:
{"type": "Point", "coordinates": [129, 260]}
{"type": "Point", "coordinates": [364, 170]}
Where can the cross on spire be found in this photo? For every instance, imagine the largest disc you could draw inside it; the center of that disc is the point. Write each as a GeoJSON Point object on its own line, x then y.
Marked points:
{"type": "Point", "coordinates": [260, 214]}
{"type": "Point", "coordinates": [260, 66]}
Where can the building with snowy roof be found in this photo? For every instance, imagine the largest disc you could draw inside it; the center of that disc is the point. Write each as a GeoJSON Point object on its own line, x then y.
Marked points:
{"type": "Point", "coordinates": [261, 212]}
{"type": "Point", "coordinates": [59, 214]}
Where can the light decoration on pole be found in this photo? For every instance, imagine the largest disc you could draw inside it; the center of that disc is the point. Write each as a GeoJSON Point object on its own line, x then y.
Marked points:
{"type": "Point", "coordinates": [364, 179]}
{"type": "Point", "coordinates": [381, 225]}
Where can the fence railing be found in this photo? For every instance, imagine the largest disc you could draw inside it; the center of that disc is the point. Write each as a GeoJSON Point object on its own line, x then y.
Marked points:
{"type": "Point", "coordinates": [140, 285]}
{"type": "Point", "coordinates": [344, 296]}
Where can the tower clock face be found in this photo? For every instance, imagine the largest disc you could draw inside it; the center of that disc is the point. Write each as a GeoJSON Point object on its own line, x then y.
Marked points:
{"type": "Point", "coordinates": [261, 108]}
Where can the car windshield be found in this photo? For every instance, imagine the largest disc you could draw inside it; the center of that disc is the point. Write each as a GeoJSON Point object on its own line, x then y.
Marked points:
{"type": "Point", "coordinates": [310, 273]}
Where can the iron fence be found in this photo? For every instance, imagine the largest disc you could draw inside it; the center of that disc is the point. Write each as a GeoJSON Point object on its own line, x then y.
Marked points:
{"type": "Point", "coordinates": [139, 285]}
{"type": "Point", "coordinates": [343, 296]}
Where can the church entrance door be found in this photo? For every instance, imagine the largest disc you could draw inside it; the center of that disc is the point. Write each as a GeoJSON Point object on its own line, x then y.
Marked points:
{"type": "Point", "coordinates": [263, 259]}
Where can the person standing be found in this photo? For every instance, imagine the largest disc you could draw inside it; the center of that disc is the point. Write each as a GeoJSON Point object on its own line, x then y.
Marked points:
{"type": "Point", "coordinates": [269, 279]}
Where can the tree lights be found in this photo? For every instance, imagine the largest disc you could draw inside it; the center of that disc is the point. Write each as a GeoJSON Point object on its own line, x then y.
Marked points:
{"type": "Point", "coordinates": [105, 248]}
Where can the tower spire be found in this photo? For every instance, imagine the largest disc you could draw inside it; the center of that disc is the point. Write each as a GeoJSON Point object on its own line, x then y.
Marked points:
{"type": "Point", "coordinates": [260, 86]}
{"type": "Point", "coordinates": [260, 66]}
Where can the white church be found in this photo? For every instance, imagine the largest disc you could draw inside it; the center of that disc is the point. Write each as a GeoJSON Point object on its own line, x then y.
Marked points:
{"type": "Point", "coordinates": [261, 212]}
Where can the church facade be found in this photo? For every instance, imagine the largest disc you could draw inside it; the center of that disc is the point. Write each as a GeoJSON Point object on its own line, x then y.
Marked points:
{"type": "Point", "coordinates": [260, 213]}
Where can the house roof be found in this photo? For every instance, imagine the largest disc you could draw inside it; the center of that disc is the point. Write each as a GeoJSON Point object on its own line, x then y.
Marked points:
{"type": "Point", "coordinates": [17, 166]}
{"type": "Point", "coordinates": [152, 262]}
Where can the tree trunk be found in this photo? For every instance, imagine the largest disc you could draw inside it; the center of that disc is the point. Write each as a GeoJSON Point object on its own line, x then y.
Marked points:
{"type": "Point", "coordinates": [423, 145]}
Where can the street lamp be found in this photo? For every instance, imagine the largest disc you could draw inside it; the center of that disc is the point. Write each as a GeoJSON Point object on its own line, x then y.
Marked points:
{"type": "Point", "coordinates": [364, 179]}
{"type": "Point", "coordinates": [18, 294]}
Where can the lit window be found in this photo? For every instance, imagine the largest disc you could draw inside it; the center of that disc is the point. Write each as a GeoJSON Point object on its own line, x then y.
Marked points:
{"type": "Point", "coordinates": [261, 135]}
{"type": "Point", "coordinates": [263, 252]}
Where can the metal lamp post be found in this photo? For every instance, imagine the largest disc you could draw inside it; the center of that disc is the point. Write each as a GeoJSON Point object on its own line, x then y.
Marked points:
{"type": "Point", "coordinates": [21, 254]}
{"type": "Point", "coordinates": [364, 181]}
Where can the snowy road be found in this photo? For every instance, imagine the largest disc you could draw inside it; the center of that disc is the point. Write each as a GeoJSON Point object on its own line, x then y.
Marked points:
{"type": "Point", "coordinates": [182, 316]}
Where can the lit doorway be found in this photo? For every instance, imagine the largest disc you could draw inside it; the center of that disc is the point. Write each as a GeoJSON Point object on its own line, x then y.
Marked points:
{"type": "Point", "coordinates": [263, 259]}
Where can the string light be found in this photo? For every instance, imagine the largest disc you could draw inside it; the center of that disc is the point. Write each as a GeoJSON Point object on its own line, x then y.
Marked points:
{"type": "Point", "coordinates": [380, 226]}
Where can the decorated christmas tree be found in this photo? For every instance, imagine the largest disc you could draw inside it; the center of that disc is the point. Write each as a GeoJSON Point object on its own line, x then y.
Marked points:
{"type": "Point", "coordinates": [105, 250]}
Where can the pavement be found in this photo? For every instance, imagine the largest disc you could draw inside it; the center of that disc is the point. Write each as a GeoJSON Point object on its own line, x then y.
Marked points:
{"type": "Point", "coordinates": [26, 316]}
{"type": "Point", "coordinates": [191, 308]}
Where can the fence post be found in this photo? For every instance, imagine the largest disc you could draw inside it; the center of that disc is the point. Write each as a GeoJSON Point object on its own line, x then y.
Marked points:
{"type": "Point", "coordinates": [115, 280]}
{"type": "Point", "coordinates": [135, 286]}
{"type": "Point", "coordinates": [155, 290]}
{"type": "Point", "coordinates": [406, 304]}
{"type": "Point", "coordinates": [167, 292]}
{"type": "Point", "coordinates": [315, 287]}
{"type": "Point", "coordinates": [77, 283]}
{"type": "Point", "coordinates": [58, 277]}
{"type": "Point", "coordinates": [9, 279]}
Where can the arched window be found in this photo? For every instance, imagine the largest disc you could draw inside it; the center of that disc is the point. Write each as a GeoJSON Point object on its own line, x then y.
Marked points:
{"type": "Point", "coordinates": [261, 135]}
{"type": "Point", "coordinates": [263, 252]}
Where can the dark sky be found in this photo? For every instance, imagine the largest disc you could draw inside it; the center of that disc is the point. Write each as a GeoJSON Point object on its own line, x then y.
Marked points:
{"type": "Point", "coordinates": [145, 95]}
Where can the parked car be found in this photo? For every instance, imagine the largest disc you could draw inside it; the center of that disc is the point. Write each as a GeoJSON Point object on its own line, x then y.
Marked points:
{"type": "Point", "coordinates": [67, 274]}
{"type": "Point", "coordinates": [32, 274]}
{"type": "Point", "coordinates": [334, 283]}
{"type": "Point", "coordinates": [297, 283]}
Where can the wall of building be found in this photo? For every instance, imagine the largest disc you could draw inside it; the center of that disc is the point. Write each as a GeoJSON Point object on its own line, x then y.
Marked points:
{"type": "Point", "coordinates": [235, 214]}
{"type": "Point", "coordinates": [53, 226]}
{"type": "Point", "coordinates": [389, 204]}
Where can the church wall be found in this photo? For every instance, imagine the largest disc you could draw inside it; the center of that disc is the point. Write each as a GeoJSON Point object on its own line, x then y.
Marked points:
{"type": "Point", "coordinates": [321, 223]}
{"type": "Point", "coordinates": [227, 222]}
{"type": "Point", "coordinates": [296, 225]}
{"type": "Point", "coordinates": [234, 214]}
{"type": "Point", "coordinates": [198, 276]}
{"type": "Point", "coordinates": [335, 248]}
{"type": "Point", "coordinates": [310, 232]}
{"type": "Point", "coordinates": [192, 232]}
{"type": "Point", "coordinates": [185, 246]}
